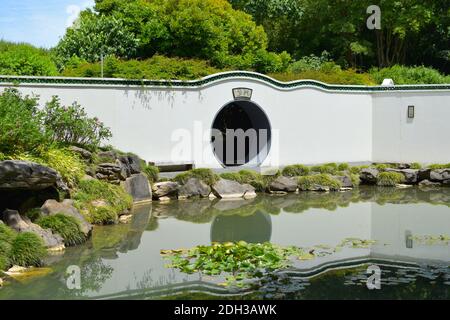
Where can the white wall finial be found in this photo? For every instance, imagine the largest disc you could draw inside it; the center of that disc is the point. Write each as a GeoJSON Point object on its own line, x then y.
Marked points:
{"type": "Point", "coordinates": [388, 83]}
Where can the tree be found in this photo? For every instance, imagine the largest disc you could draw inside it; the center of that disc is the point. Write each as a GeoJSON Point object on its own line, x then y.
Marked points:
{"type": "Point", "coordinates": [93, 35]}
{"type": "Point", "coordinates": [25, 60]}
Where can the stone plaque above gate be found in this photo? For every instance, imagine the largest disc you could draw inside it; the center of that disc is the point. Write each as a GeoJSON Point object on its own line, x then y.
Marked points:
{"type": "Point", "coordinates": [242, 93]}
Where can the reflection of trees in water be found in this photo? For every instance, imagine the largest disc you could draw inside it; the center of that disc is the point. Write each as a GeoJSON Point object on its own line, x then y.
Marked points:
{"type": "Point", "coordinates": [148, 280]}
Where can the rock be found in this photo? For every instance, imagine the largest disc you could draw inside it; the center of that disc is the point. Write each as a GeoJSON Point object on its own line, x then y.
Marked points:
{"type": "Point", "coordinates": [345, 181]}
{"type": "Point", "coordinates": [440, 175]}
{"type": "Point", "coordinates": [83, 153]}
{"type": "Point", "coordinates": [130, 164]}
{"type": "Point", "coordinates": [250, 193]}
{"type": "Point", "coordinates": [411, 175]}
{"type": "Point", "coordinates": [107, 156]}
{"type": "Point", "coordinates": [194, 188]}
{"type": "Point", "coordinates": [402, 166]}
{"type": "Point", "coordinates": [138, 187]}
{"type": "Point", "coordinates": [13, 219]}
{"type": "Point", "coordinates": [99, 203]}
{"type": "Point", "coordinates": [429, 184]}
{"type": "Point", "coordinates": [125, 218]}
{"type": "Point", "coordinates": [369, 176]}
{"type": "Point", "coordinates": [319, 188]}
{"type": "Point", "coordinates": [165, 189]}
{"type": "Point", "coordinates": [226, 189]}
{"type": "Point", "coordinates": [24, 175]}
{"type": "Point", "coordinates": [283, 183]}
{"type": "Point", "coordinates": [52, 207]}
{"type": "Point", "coordinates": [111, 171]}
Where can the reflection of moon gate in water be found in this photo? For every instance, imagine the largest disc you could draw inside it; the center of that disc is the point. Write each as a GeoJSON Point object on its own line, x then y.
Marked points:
{"type": "Point", "coordinates": [256, 228]}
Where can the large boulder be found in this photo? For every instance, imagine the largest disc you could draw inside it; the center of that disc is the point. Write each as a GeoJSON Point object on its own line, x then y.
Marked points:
{"type": "Point", "coordinates": [13, 219]}
{"type": "Point", "coordinates": [441, 176]}
{"type": "Point", "coordinates": [83, 153]}
{"type": "Point", "coordinates": [138, 187]}
{"type": "Point", "coordinates": [25, 175]}
{"type": "Point", "coordinates": [369, 176]}
{"type": "Point", "coordinates": [428, 184]}
{"type": "Point", "coordinates": [346, 182]}
{"type": "Point", "coordinates": [194, 188]}
{"type": "Point", "coordinates": [166, 189]}
{"type": "Point", "coordinates": [132, 163]}
{"type": "Point", "coordinates": [424, 174]}
{"type": "Point", "coordinates": [411, 175]}
{"type": "Point", "coordinates": [52, 207]}
{"type": "Point", "coordinates": [283, 183]}
{"type": "Point", "coordinates": [228, 189]}
{"type": "Point", "coordinates": [112, 172]}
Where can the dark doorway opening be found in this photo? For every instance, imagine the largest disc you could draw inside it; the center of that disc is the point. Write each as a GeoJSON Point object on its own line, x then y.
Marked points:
{"type": "Point", "coordinates": [241, 134]}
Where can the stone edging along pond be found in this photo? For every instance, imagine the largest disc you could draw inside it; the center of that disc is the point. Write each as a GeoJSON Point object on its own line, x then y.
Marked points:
{"type": "Point", "coordinates": [35, 202]}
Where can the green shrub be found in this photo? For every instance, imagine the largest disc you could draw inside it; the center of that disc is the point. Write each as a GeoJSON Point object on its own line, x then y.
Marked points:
{"type": "Point", "coordinates": [7, 236]}
{"type": "Point", "coordinates": [205, 175]}
{"type": "Point", "coordinates": [70, 125]}
{"type": "Point", "coordinates": [348, 77]}
{"type": "Point", "coordinates": [295, 170]}
{"type": "Point", "coordinates": [27, 250]}
{"type": "Point", "coordinates": [354, 177]}
{"type": "Point", "coordinates": [390, 179]}
{"type": "Point", "coordinates": [66, 226]}
{"type": "Point", "coordinates": [33, 214]}
{"type": "Point", "coordinates": [438, 166]}
{"type": "Point", "coordinates": [21, 59]}
{"type": "Point", "coordinates": [330, 168]}
{"type": "Point", "coordinates": [409, 75]}
{"type": "Point", "coordinates": [151, 172]}
{"type": "Point", "coordinates": [307, 182]}
{"type": "Point", "coordinates": [20, 123]}
{"type": "Point", "coordinates": [117, 199]}
{"type": "Point", "coordinates": [343, 167]}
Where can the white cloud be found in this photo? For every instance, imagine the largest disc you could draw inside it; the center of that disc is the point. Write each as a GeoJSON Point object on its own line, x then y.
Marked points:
{"type": "Point", "coordinates": [74, 10]}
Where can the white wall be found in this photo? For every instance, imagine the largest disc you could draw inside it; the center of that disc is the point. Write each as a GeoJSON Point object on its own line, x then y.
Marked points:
{"type": "Point", "coordinates": [426, 138]}
{"type": "Point", "coordinates": [309, 125]}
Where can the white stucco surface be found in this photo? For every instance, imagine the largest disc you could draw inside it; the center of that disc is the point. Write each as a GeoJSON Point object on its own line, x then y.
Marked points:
{"type": "Point", "coordinates": [309, 124]}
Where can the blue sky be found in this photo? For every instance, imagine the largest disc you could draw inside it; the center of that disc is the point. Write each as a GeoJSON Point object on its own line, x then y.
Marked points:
{"type": "Point", "coordinates": [39, 22]}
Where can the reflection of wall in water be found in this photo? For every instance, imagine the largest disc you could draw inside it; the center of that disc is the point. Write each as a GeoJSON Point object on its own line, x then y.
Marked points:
{"type": "Point", "coordinates": [393, 224]}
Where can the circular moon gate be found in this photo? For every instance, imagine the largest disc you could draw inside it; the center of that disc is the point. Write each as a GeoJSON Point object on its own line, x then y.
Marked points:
{"type": "Point", "coordinates": [241, 134]}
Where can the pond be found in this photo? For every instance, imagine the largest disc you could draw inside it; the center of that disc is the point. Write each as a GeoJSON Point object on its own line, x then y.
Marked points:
{"type": "Point", "coordinates": [410, 228]}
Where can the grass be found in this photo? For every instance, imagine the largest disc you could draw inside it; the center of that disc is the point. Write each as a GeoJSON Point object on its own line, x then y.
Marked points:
{"type": "Point", "coordinates": [330, 168]}
{"type": "Point", "coordinates": [436, 166]}
{"type": "Point", "coordinates": [117, 199]}
{"type": "Point", "coordinates": [416, 165]}
{"type": "Point", "coordinates": [343, 167]}
{"type": "Point", "coordinates": [205, 175]}
{"type": "Point", "coordinates": [67, 163]}
{"type": "Point", "coordinates": [27, 250]}
{"type": "Point", "coordinates": [357, 169]}
{"type": "Point", "coordinates": [381, 167]}
{"type": "Point", "coordinates": [66, 226]}
{"type": "Point", "coordinates": [258, 181]}
{"type": "Point", "coordinates": [354, 177]}
{"type": "Point", "coordinates": [295, 170]}
{"type": "Point", "coordinates": [308, 182]}
{"type": "Point", "coordinates": [152, 173]}
{"type": "Point", "coordinates": [7, 236]}
{"type": "Point", "coordinates": [390, 179]}
{"type": "Point", "coordinates": [33, 214]}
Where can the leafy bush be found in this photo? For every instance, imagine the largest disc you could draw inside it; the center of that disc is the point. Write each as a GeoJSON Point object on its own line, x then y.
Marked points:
{"type": "Point", "coordinates": [66, 226]}
{"type": "Point", "coordinates": [313, 62]}
{"type": "Point", "coordinates": [117, 199]}
{"type": "Point", "coordinates": [157, 67]}
{"type": "Point", "coordinates": [295, 170]}
{"type": "Point", "coordinates": [21, 59]}
{"type": "Point", "coordinates": [72, 126]}
{"type": "Point", "coordinates": [409, 75]}
{"type": "Point", "coordinates": [7, 236]}
{"type": "Point", "coordinates": [151, 172]}
{"type": "Point", "coordinates": [20, 123]}
{"type": "Point", "coordinates": [205, 175]}
{"type": "Point", "coordinates": [27, 250]}
{"type": "Point", "coordinates": [306, 183]}
{"type": "Point", "coordinates": [390, 179]}
{"type": "Point", "coordinates": [346, 77]}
